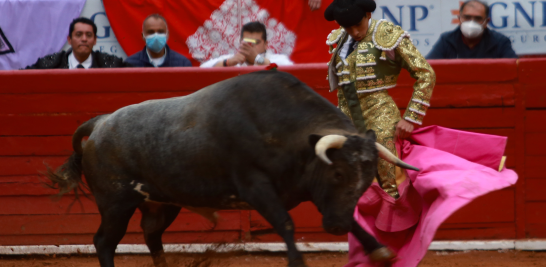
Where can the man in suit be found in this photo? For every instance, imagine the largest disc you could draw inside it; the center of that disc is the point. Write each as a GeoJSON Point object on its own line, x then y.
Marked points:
{"type": "Point", "coordinates": [82, 36]}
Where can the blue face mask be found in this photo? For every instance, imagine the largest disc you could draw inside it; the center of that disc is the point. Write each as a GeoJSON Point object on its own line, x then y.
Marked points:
{"type": "Point", "coordinates": [156, 42]}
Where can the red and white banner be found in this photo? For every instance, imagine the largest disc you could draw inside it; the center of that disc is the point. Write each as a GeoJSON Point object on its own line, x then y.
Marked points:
{"type": "Point", "coordinates": [204, 29]}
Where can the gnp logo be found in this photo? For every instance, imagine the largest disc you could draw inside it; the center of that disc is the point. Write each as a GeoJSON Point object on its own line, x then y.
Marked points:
{"type": "Point", "coordinates": [524, 22]}
{"type": "Point", "coordinates": [422, 19]}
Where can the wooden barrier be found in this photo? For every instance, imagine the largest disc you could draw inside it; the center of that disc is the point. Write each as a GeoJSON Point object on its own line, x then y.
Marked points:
{"type": "Point", "coordinates": [40, 110]}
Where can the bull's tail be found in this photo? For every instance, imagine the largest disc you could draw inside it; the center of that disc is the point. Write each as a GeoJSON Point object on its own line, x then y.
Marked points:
{"type": "Point", "coordinates": [68, 177]}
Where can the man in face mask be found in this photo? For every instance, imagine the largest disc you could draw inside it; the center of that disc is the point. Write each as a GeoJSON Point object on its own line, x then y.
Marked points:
{"type": "Point", "coordinates": [157, 53]}
{"type": "Point", "coordinates": [472, 39]}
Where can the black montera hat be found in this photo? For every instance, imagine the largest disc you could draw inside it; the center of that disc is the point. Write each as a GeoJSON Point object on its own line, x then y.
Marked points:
{"type": "Point", "coordinates": [348, 12]}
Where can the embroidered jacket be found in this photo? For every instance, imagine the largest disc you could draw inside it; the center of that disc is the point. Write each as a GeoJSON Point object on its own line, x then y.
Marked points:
{"type": "Point", "coordinates": [376, 63]}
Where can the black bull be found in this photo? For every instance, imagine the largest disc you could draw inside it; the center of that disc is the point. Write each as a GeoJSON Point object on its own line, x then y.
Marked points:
{"type": "Point", "coordinates": [263, 141]}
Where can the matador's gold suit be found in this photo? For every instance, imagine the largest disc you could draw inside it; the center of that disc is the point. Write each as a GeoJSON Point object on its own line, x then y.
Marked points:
{"type": "Point", "coordinates": [373, 67]}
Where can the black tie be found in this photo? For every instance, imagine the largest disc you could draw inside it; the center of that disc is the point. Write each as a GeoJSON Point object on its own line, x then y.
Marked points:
{"type": "Point", "coordinates": [80, 66]}
{"type": "Point", "coordinates": [351, 47]}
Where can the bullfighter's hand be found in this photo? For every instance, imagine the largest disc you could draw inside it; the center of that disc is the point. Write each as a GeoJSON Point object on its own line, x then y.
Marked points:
{"type": "Point", "coordinates": [236, 59]}
{"type": "Point", "coordinates": [314, 4]}
{"type": "Point", "coordinates": [404, 129]}
{"type": "Point", "coordinates": [249, 52]}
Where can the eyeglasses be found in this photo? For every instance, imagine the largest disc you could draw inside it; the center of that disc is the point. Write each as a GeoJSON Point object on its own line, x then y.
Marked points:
{"type": "Point", "coordinates": [477, 19]}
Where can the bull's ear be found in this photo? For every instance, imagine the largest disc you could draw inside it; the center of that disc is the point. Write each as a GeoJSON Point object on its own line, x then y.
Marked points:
{"type": "Point", "coordinates": [371, 135]}
{"type": "Point", "coordinates": [313, 139]}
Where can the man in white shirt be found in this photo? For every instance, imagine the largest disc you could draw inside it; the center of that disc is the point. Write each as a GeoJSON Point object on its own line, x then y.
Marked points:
{"type": "Point", "coordinates": [252, 51]}
{"type": "Point", "coordinates": [82, 36]}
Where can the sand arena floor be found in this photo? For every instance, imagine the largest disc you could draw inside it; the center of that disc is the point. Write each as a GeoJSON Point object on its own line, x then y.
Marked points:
{"type": "Point", "coordinates": [507, 258]}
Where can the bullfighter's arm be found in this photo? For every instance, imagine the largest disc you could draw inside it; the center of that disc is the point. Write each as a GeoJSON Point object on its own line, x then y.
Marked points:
{"type": "Point", "coordinates": [419, 69]}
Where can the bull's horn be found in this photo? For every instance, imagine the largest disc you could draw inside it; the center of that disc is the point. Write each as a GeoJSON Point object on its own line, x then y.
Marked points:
{"type": "Point", "coordinates": [385, 154]}
{"type": "Point", "coordinates": [326, 142]}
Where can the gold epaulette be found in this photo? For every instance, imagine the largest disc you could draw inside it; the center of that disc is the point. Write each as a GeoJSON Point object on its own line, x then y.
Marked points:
{"type": "Point", "coordinates": [334, 37]}
{"type": "Point", "coordinates": [387, 36]}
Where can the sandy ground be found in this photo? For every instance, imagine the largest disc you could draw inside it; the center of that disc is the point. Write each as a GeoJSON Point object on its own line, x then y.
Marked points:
{"type": "Point", "coordinates": [322, 259]}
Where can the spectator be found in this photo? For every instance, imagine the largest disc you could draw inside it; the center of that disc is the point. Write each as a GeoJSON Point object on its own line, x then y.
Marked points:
{"type": "Point", "coordinates": [253, 51]}
{"type": "Point", "coordinates": [82, 36]}
{"type": "Point", "coordinates": [157, 53]}
{"type": "Point", "coordinates": [472, 39]}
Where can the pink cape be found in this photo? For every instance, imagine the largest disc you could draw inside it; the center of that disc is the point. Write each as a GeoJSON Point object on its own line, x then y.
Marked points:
{"type": "Point", "coordinates": [456, 167]}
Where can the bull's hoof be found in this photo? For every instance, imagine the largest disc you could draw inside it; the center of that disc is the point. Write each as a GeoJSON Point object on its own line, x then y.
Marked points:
{"type": "Point", "coordinates": [382, 255]}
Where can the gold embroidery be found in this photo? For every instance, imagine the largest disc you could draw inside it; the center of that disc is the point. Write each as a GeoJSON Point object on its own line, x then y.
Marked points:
{"type": "Point", "coordinates": [417, 108]}
{"type": "Point", "coordinates": [362, 59]}
{"type": "Point", "coordinates": [360, 72]}
{"type": "Point", "coordinates": [365, 73]}
{"type": "Point", "coordinates": [381, 115]}
{"type": "Point", "coordinates": [389, 79]}
{"type": "Point", "coordinates": [335, 35]}
{"type": "Point", "coordinates": [419, 68]}
{"type": "Point", "coordinates": [387, 35]}
{"type": "Point", "coordinates": [345, 78]}
{"type": "Point", "coordinates": [365, 45]}
{"type": "Point", "coordinates": [371, 83]}
{"type": "Point", "coordinates": [379, 110]}
{"type": "Point", "coordinates": [413, 117]}
{"type": "Point", "coordinates": [365, 86]}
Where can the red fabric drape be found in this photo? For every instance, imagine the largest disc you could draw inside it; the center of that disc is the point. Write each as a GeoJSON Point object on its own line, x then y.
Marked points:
{"type": "Point", "coordinates": [184, 17]}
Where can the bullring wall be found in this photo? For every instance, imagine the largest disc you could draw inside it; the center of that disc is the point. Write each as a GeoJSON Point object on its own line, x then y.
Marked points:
{"type": "Point", "coordinates": [40, 110]}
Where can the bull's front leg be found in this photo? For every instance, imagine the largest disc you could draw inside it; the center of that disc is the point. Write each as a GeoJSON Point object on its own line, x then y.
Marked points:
{"type": "Point", "coordinates": [262, 197]}
{"type": "Point", "coordinates": [375, 250]}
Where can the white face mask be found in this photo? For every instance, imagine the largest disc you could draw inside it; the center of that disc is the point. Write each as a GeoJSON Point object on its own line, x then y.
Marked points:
{"type": "Point", "coordinates": [471, 29]}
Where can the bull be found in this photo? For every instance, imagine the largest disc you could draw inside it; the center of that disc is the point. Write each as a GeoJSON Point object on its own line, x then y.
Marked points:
{"type": "Point", "coordinates": [263, 141]}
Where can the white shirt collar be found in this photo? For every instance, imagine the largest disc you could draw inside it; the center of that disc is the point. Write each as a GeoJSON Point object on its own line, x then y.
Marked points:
{"type": "Point", "coordinates": [73, 62]}
{"type": "Point", "coordinates": [345, 48]}
{"type": "Point", "coordinates": [157, 61]}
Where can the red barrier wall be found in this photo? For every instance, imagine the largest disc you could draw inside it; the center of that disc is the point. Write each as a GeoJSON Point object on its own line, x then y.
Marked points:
{"type": "Point", "coordinates": [39, 111]}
